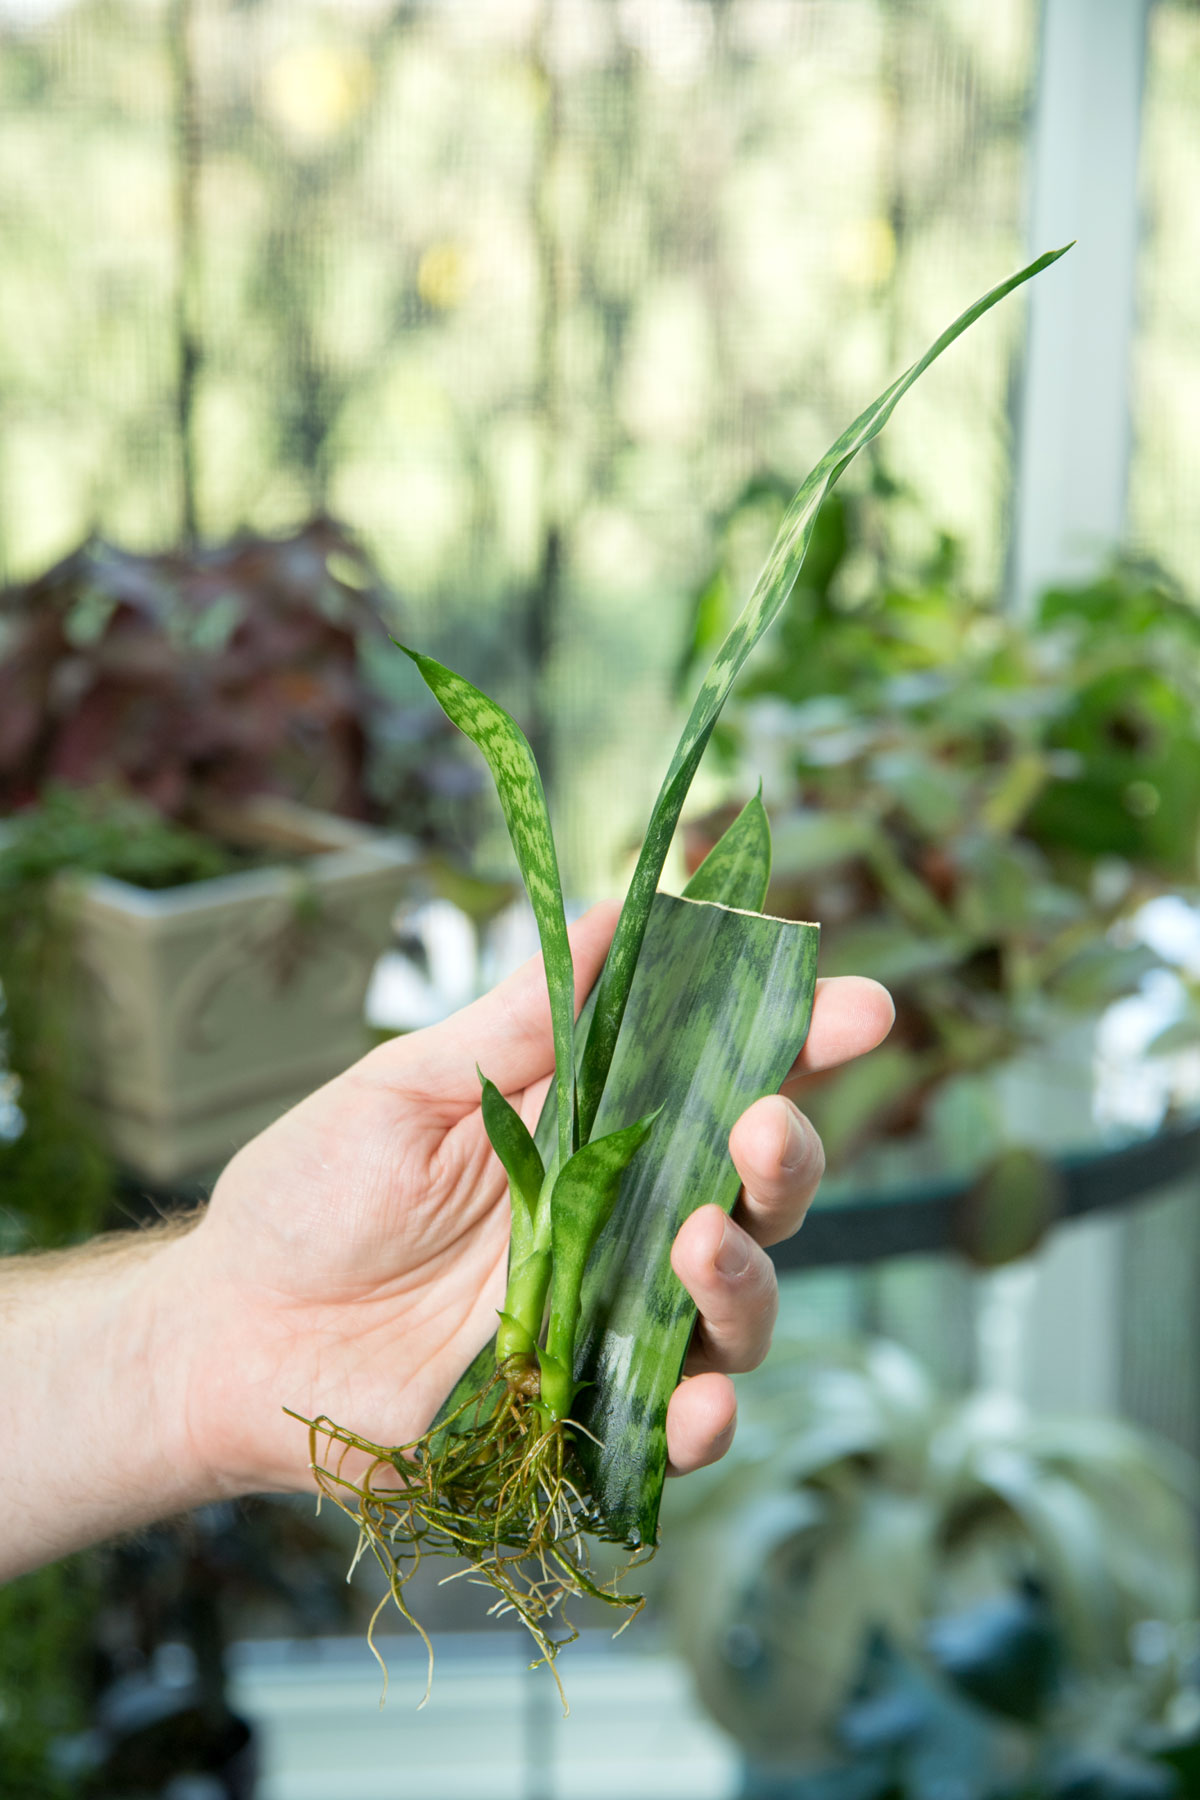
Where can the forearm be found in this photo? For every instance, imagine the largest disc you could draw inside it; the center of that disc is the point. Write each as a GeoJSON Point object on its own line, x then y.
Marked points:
{"type": "Point", "coordinates": [92, 1437]}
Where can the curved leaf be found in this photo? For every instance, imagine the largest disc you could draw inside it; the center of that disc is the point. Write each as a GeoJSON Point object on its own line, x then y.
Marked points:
{"type": "Point", "coordinates": [585, 1193]}
{"type": "Point", "coordinates": [581, 1203]}
{"type": "Point", "coordinates": [509, 1137]}
{"type": "Point", "coordinates": [764, 605]}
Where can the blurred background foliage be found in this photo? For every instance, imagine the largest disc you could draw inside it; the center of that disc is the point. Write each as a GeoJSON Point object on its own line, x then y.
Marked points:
{"type": "Point", "coordinates": [969, 801]}
{"type": "Point", "coordinates": [523, 294]}
{"type": "Point", "coordinates": [912, 1597]}
{"type": "Point", "coordinates": [548, 304]}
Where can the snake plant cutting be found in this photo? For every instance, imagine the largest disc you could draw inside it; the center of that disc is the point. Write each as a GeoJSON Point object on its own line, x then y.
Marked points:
{"type": "Point", "coordinates": [556, 1435]}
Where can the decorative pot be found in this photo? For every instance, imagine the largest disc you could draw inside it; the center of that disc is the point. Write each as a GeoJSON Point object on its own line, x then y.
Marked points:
{"type": "Point", "coordinates": [210, 1009]}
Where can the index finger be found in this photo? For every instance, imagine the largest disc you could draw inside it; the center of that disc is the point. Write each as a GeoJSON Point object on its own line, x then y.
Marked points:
{"type": "Point", "coordinates": [851, 1014]}
{"type": "Point", "coordinates": [507, 1033]}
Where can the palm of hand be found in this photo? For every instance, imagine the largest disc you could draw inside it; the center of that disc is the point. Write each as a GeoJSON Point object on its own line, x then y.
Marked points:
{"type": "Point", "coordinates": [361, 1242]}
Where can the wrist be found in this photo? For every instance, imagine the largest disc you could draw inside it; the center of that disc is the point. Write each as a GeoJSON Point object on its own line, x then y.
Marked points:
{"type": "Point", "coordinates": [226, 1352]}
{"type": "Point", "coordinates": [167, 1301]}
{"type": "Point", "coordinates": [92, 1421]}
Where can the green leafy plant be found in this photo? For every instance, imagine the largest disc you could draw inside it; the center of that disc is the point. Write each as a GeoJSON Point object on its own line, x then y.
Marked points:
{"type": "Point", "coordinates": [908, 1591]}
{"type": "Point", "coordinates": [558, 1431]}
{"type": "Point", "coordinates": [970, 802]}
{"type": "Point", "coordinates": [142, 699]}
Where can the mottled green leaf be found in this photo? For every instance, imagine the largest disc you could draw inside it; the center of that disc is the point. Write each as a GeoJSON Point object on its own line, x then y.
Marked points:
{"type": "Point", "coordinates": [718, 1012]}
{"type": "Point", "coordinates": [523, 801]}
{"type": "Point", "coordinates": [737, 870]}
{"type": "Point", "coordinates": [584, 1194]}
{"type": "Point", "coordinates": [581, 1203]}
{"type": "Point", "coordinates": [770, 593]}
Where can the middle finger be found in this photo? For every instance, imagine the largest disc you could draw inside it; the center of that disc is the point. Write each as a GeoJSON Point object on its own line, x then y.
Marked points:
{"type": "Point", "coordinates": [732, 1281]}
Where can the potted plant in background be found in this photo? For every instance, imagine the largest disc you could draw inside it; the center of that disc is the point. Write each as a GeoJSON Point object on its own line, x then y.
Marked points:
{"type": "Point", "coordinates": [909, 1598]}
{"type": "Point", "coordinates": [228, 895]}
{"type": "Point", "coordinates": [974, 805]}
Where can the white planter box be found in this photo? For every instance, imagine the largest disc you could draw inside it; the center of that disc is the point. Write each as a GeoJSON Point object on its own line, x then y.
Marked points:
{"type": "Point", "coordinates": [210, 1009]}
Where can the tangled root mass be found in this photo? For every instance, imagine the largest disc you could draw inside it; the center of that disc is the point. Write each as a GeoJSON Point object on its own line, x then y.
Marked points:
{"type": "Point", "coordinates": [492, 1484]}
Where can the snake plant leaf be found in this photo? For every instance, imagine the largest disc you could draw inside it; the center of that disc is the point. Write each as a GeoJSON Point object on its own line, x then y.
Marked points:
{"type": "Point", "coordinates": [510, 1138]}
{"type": "Point", "coordinates": [475, 1377]}
{"type": "Point", "coordinates": [585, 1193]}
{"type": "Point", "coordinates": [523, 802]}
{"type": "Point", "coordinates": [729, 867]}
{"type": "Point", "coordinates": [581, 1202]}
{"type": "Point", "coordinates": [737, 870]}
{"type": "Point", "coordinates": [717, 1014]}
{"type": "Point", "coordinates": [770, 593]}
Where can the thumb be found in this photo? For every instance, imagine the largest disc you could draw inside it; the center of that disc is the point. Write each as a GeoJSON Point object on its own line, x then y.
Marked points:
{"type": "Point", "coordinates": [507, 1033]}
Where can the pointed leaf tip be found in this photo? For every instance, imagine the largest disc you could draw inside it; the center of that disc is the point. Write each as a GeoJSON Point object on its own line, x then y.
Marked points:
{"type": "Point", "coordinates": [737, 870]}
{"type": "Point", "coordinates": [510, 1138]}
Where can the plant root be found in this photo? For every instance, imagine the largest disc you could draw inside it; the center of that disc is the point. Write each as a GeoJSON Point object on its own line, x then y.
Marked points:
{"type": "Point", "coordinates": [492, 1483]}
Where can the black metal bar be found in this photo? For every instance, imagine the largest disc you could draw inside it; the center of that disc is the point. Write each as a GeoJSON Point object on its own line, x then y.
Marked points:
{"type": "Point", "coordinates": [923, 1221]}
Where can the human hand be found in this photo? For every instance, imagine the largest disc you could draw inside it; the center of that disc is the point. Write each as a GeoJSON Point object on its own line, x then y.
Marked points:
{"type": "Point", "coordinates": [353, 1256]}
{"type": "Point", "coordinates": [350, 1263]}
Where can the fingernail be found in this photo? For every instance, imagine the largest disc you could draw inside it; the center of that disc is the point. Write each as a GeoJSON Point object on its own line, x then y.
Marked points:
{"type": "Point", "coordinates": [733, 1252]}
{"type": "Point", "coordinates": [797, 1151]}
